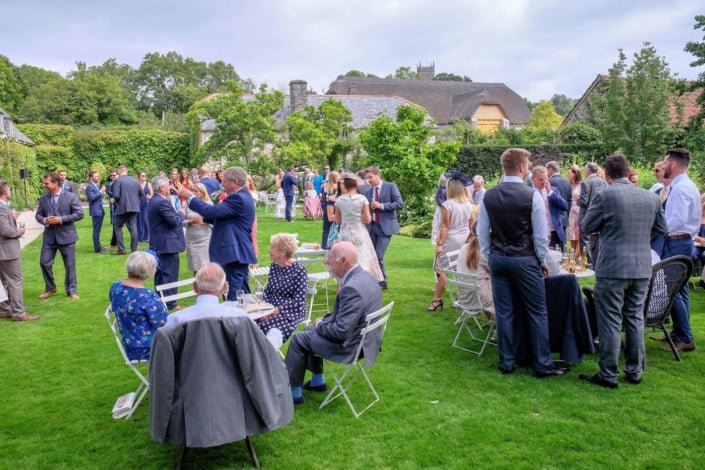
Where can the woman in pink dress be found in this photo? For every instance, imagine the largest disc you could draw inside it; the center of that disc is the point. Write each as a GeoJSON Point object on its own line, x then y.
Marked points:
{"type": "Point", "coordinates": [575, 178]}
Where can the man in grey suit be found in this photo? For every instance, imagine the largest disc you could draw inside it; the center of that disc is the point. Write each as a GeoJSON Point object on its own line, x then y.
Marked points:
{"type": "Point", "coordinates": [626, 218]}
{"type": "Point", "coordinates": [127, 195]}
{"type": "Point", "coordinates": [337, 335]}
{"type": "Point", "coordinates": [11, 261]}
{"type": "Point", "coordinates": [66, 184]}
{"type": "Point", "coordinates": [57, 211]}
{"type": "Point", "coordinates": [385, 200]}
{"type": "Point", "coordinates": [588, 188]}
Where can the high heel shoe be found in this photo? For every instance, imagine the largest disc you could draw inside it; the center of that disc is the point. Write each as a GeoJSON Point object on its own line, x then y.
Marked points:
{"type": "Point", "coordinates": [435, 305]}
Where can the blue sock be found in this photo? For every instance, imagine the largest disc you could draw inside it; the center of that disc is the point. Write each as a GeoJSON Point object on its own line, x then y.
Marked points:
{"type": "Point", "coordinates": [296, 392]}
{"type": "Point", "coordinates": [317, 379]}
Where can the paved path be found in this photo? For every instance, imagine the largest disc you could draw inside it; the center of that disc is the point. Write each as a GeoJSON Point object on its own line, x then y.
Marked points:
{"type": "Point", "coordinates": [34, 228]}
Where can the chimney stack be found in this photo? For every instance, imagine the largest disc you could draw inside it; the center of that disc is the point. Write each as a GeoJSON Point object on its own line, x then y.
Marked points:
{"type": "Point", "coordinates": [298, 95]}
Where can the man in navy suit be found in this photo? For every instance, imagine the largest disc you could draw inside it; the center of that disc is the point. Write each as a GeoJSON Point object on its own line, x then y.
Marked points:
{"type": "Point", "coordinates": [166, 235]}
{"type": "Point", "coordinates": [232, 220]}
{"type": "Point", "coordinates": [57, 211]}
{"type": "Point", "coordinates": [555, 206]}
{"type": "Point", "coordinates": [385, 200]}
{"type": "Point", "coordinates": [212, 185]}
{"type": "Point", "coordinates": [289, 182]}
{"type": "Point", "coordinates": [127, 194]}
{"type": "Point", "coordinates": [563, 186]}
{"type": "Point", "coordinates": [94, 193]}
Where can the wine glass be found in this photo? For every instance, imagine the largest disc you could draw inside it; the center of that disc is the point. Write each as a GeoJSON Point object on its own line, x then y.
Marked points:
{"type": "Point", "coordinates": [259, 295]}
{"type": "Point", "coordinates": [240, 295]}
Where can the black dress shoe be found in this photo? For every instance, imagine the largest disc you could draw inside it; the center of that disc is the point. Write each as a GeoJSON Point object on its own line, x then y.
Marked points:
{"type": "Point", "coordinates": [555, 372]}
{"type": "Point", "coordinates": [633, 379]}
{"type": "Point", "coordinates": [597, 380]}
{"type": "Point", "coordinates": [120, 253]}
{"type": "Point", "coordinates": [316, 388]}
{"type": "Point", "coordinates": [507, 371]}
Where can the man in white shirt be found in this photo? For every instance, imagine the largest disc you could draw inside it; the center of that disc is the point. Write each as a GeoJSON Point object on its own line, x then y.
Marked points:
{"type": "Point", "coordinates": [210, 283]}
{"type": "Point", "coordinates": [682, 208]}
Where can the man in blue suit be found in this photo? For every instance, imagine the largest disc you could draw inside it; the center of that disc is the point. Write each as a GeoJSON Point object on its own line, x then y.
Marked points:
{"type": "Point", "coordinates": [289, 182]}
{"type": "Point", "coordinates": [555, 206]}
{"type": "Point", "coordinates": [94, 193]}
{"type": "Point", "coordinates": [232, 220]}
{"type": "Point", "coordinates": [57, 211]}
{"type": "Point", "coordinates": [385, 200]}
{"type": "Point", "coordinates": [166, 235]}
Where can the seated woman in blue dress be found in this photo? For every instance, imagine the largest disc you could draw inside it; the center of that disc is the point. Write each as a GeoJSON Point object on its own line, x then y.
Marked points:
{"type": "Point", "coordinates": [286, 288]}
{"type": "Point", "coordinates": [138, 310]}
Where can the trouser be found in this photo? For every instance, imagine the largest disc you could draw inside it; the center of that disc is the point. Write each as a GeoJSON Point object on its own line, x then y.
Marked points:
{"type": "Point", "coordinates": [521, 275]}
{"type": "Point", "coordinates": [381, 242]}
{"type": "Point", "coordinates": [326, 228]}
{"type": "Point", "coordinates": [46, 261]}
{"type": "Point", "coordinates": [680, 312]}
{"type": "Point", "coordinates": [236, 274]}
{"type": "Point", "coordinates": [620, 302]}
{"type": "Point", "coordinates": [129, 219]}
{"type": "Point", "coordinates": [167, 271]}
{"type": "Point", "coordinates": [301, 356]}
{"type": "Point", "coordinates": [11, 276]}
{"type": "Point", "coordinates": [555, 241]}
{"type": "Point", "coordinates": [289, 204]}
{"type": "Point", "coordinates": [97, 226]}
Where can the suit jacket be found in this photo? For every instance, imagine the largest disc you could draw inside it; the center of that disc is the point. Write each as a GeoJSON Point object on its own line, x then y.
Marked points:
{"type": "Point", "coordinates": [588, 188]}
{"type": "Point", "coordinates": [232, 220]}
{"type": "Point", "coordinates": [127, 194]}
{"type": "Point", "coordinates": [288, 184]}
{"type": "Point", "coordinates": [9, 235]}
{"type": "Point", "coordinates": [566, 190]}
{"type": "Point", "coordinates": [338, 334]}
{"type": "Point", "coordinates": [211, 184]}
{"type": "Point", "coordinates": [166, 234]}
{"type": "Point", "coordinates": [391, 200]}
{"type": "Point", "coordinates": [69, 208]}
{"type": "Point", "coordinates": [243, 392]}
{"type": "Point", "coordinates": [627, 218]}
{"type": "Point", "coordinates": [95, 200]}
{"type": "Point", "coordinates": [70, 186]}
{"type": "Point", "coordinates": [557, 206]}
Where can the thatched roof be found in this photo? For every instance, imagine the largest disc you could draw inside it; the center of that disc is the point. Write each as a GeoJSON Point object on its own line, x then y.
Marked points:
{"type": "Point", "coordinates": [444, 101]}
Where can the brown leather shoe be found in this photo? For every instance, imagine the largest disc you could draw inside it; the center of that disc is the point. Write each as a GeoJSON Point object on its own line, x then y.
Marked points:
{"type": "Point", "coordinates": [74, 296]}
{"type": "Point", "coordinates": [6, 315]}
{"type": "Point", "coordinates": [680, 347]}
{"type": "Point", "coordinates": [47, 294]}
{"type": "Point", "coordinates": [24, 316]}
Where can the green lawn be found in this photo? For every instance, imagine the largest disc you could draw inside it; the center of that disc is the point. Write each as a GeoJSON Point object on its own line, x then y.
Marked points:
{"type": "Point", "coordinates": [440, 407]}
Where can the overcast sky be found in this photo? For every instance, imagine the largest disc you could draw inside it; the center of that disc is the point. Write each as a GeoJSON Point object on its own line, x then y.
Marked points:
{"type": "Point", "coordinates": [538, 47]}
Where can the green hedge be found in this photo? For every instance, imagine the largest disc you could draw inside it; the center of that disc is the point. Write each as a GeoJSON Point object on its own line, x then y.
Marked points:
{"type": "Point", "coordinates": [14, 156]}
{"type": "Point", "coordinates": [79, 151]}
{"type": "Point", "coordinates": [484, 159]}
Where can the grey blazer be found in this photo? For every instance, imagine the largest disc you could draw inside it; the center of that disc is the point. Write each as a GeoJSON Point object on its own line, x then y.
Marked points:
{"type": "Point", "coordinates": [127, 194]}
{"type": "Point", "coordinates": [391, 200]}
{"type": "Point", "coordinates": [627, 218]}
{"type": "Point", "coordinates": [588, 188]}
{"type": "Point", "coordinates": [69, 208]}
{"type": "Point", "coordinates": [338, 334]}
{"type": "Point", "coordinates": [243, 391]}
{"type": "Point", "coordinates": [9, 235]}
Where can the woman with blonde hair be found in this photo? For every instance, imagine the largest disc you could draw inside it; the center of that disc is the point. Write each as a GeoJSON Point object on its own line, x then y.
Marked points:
{"type": "Point", "coordinates": [328, 194]}
{"type": "Point", "coordinates": [197, 233]}
{"type": "Point", "coordinates": [471, 261]}
{"type": "Point", "coordinates": [455, 217]}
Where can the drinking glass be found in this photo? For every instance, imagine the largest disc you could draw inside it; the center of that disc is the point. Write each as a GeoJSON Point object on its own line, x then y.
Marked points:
{"type": "Point", "coordinates": [259, 296]}
{"type": "Point", "coordinates": [240, 295]}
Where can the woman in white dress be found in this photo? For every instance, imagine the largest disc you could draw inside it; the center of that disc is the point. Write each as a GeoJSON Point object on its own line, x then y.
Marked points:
{"type": "Point", "coordinates": [197, 233]}
{"type": "Point", "coordinates": [281, 202]}
{"type": "Point", "coordinates": [351, 214]}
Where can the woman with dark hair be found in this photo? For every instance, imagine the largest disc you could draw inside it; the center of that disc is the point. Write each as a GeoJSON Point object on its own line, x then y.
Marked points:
{"type": "Point", "coordinates": [573, 231]}
{"type": "Point", "coordinates": [352, 213]}
{"type": "Point", "coordinates": [329, 193]}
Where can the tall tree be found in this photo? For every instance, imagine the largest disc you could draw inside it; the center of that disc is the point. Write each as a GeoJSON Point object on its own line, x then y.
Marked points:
{"type": "Point", "coordinates": [632, 113]}
{"type": "Point", "coordinates": [401, 148]}
{"type": "Point", "coordinates": [562, 104]}
{"type": "Point", "coordinates": [451, 77]}
{"type": "Point", "coordinates": [406, 73]}
{"type": "Point", "coordinates": [544, 116]}
{"type": "Point", "coordinates": [697, 49]}
{"type": "Point", "coordinates": [30, 77]}
{"type": "Point", "coordinates": [10, 88]}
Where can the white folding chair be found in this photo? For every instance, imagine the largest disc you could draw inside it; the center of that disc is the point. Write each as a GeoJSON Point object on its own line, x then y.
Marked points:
{"type": "Point", "coordinates": [143, 387]}
{"type": "Point", "coordinates": [452, 260]}
{"type": "Point", "coordinates": [259, 276]}
{"type": "Point", "coordinates": [175, 285]}
{"type": "Point", "coordinates": [270, 202]}
{"type": "Point", "coordinates": [473, 318]}
{"type": "Point", "coordinates": [356, 367]}
{"type": "Point", "coordinates": [317, 281]}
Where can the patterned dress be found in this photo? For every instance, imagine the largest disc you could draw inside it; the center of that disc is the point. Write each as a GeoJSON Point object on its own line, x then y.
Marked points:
{"type": "Point", "coordinates": [353, 230]}
{"type": "Point", "coordinates": [139, 313]}
{"type": "Point", "coordinates": [573, 224]}
{"type": "Point", "coordinates": [286, 289]}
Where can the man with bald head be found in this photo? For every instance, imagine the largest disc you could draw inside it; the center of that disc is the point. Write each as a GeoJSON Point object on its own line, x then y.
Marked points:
{"type": "Point", "coordinates": [337, 335]}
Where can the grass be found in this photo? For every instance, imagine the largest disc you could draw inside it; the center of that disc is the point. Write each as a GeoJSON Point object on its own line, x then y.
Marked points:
{"type": "Point", "coordinates": [440, 407]}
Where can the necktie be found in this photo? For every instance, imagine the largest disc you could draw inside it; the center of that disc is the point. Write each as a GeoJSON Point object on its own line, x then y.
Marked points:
{"type": "Point", "coordinates": [662, 195]}
{"type": "Point", "coordinates": [377, 199]}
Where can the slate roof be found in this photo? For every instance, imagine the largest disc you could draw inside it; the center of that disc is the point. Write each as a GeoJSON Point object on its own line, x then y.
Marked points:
{"type": "Point", "coordinates": [364, 109]}
{"type": "Point", "coordinates": [8, 130]}
{"type": "Point", "coordinates": [444, 101]}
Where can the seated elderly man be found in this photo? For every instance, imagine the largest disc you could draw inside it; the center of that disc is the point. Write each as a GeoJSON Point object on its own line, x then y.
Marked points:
{"type": "Point", "coordinates": [210, 283]}
{"type": "Point", "coordinates": [337, 335]}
